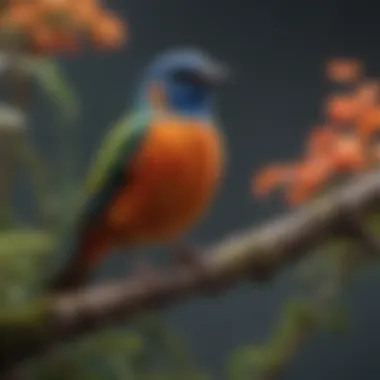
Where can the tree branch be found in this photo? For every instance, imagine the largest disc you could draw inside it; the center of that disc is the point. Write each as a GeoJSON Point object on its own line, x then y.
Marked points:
{"type": "Point", "coordinates": [257, 254]}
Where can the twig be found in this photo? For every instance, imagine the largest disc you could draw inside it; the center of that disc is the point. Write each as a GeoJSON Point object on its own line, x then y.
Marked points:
{"type": "Point", "coordinates": [256, 253]}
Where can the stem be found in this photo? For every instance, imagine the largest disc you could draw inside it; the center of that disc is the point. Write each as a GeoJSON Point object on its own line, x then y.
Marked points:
{"type": "Point", "coordinates": [6, 181]}
{"type": "Point", "coordinates": [19, 86]}
{"type": "Point", "coordinates": [40, 177]}
{"type": "Point", "coordinates": [68, 175]}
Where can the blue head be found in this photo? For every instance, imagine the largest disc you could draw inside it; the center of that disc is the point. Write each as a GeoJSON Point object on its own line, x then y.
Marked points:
{"type": "Point", "coordinates": [183, 81]}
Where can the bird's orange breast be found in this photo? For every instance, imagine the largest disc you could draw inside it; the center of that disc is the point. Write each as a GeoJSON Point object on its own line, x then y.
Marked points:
{"type": "Point", "coordinates": [174, 178]}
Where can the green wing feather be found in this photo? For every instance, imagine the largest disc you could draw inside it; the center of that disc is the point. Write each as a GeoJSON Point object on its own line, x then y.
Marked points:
{"type": "Point", "coordinates": [119, 141]}
{"type": "Point", "coordinates": [108, 173]}
{"type": "Point", "coordinates": [109, 170]}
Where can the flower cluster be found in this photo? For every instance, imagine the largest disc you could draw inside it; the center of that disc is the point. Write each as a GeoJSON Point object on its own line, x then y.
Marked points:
{"type": "Point", "coordinates": [346, 143]}
{"type": "Point", "coordinates": [49, 26]}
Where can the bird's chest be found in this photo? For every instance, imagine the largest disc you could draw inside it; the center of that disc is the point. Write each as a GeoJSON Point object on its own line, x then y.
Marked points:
{"type": "Point", "coordinates": [179, 159]}
{"type": "Point", "coordinates": [178, 169]}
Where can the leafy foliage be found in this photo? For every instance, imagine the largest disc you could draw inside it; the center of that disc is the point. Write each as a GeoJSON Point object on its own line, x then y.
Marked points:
{"type": "Point", "coordinates": [52, 80]}
{"type": "Point", "coordinates": [21, 253]}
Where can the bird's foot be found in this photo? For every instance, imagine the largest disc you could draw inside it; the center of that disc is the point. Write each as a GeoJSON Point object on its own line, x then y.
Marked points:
{"type": "Point", "coordinates": [195, 258]}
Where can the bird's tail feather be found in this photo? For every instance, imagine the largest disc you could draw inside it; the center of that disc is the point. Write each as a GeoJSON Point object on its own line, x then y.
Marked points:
{"type": "Point", "coordinates": [84, 252]}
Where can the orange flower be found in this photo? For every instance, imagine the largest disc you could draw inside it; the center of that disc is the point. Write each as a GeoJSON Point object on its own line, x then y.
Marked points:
{"type": "Point", "coordinates": [367, 96]}
{"type": "Point", "coordinates": [369, 122]}
{"type": "Point", "coordinates": [57, 14]}
{"type": "Point", "coordinates": [302, 177]}
{"type": "Point", "coordinates": [44, 40]}
{"type": "Point", "coordinates": [270, 178]}
{"type": "Point", "coordinates": [58, 25]}
{"type": "Point", "coordinates": [344, 70]}
{"type": "Point", "coordinates": [50, 4]}
{"type": "Point", "coordinates": [328, 153]}
{"type": "Point", "coordinates": [349, 154]}
{"type": "Point", "coordinates": [309, 177]}
{"type": "Point", "coordinates": [345, 152]}
{"type": "Point", "coordinates": [20, 16]}
{"type": "Point", "coordinates": [87, 11]}
{"type": "Point", "coordinates": [108, 32]}
{"type": "Point", "coordinates": [340, 109]}
{"type": "Point", "coordinates": [369, 127]}
{"type": "Point", "coordinates": [352, 147]}
{"type": "Point", "coordinates": [301, 180]}
{"type": "Point", "coordinates": [320, 141]}
{"type": "Point", "coordinates": [48, 41]}
{"type": "Point", "coordinates": [14, 3]}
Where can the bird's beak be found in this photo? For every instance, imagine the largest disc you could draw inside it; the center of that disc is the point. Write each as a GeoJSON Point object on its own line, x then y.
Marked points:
{"type": "Point", "coordinates": [216, 73]}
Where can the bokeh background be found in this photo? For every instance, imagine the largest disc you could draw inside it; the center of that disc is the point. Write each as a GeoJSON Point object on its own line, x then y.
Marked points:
{"type": "Point", "coordinates": [276, 49]}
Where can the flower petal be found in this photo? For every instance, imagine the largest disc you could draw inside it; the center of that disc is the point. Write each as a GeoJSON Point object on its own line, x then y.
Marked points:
{"type": "Point", "coordinates": [310, 177]}
{"type": "Point", "coordinates": [340, 108]}
{"type": "Point", "coordinates": [368, 93]}
{"type": "Point", "coordinates": [297, 194]}
{"type": "Point", "coordinates": [20, 16]}
{"type": "Point", "coordinates": [344, 70]}
{"type": "Point", "coordinates": [369, 122]}
{"type": "Point", "coordinates": [349, 155]}
{"type": "Point", "coordinates": [108, 32]}
{"type": "Point", "coordinates": [320, 141]}
{"type": "Point", "coordinates": [45, 40]}
{"type": "Point", "coordinates": [271, 177]}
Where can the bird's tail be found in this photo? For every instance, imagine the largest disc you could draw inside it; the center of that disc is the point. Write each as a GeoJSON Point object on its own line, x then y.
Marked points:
{"type": "Point", "coordinates": [81, 256]}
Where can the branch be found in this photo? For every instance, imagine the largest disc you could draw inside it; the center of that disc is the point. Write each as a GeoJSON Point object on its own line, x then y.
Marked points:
{"type": "Point", "coordinates": [256, 254]}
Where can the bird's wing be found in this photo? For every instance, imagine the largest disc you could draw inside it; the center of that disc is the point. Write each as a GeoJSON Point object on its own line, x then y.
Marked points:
{"type": "Point", "coordinates": [106, 176]}
{"type": "Point", "coordinates": [108, 172]}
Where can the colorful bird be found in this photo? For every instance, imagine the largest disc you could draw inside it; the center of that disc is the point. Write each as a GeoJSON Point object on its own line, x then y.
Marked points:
{"type": "Point", "coordinates": [158, 170]}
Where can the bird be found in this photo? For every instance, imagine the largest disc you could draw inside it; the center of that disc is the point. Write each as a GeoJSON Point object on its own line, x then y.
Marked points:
{"type": "Point", "coordinates": [158, 169]}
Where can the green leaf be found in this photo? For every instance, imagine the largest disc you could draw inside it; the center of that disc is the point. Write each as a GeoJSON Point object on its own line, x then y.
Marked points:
{"type": "Point", "coordinates": [337, 320]}
{"type": "Point", "coordinates": [173, 376]}
{"type": "Point", "coordinates": [168, 343]}
{"type": "Point", "coordinates": [25, 242]}
{"type": "Point", "coordinates": [56, 85]}
{"type": "Point", "coordinates": [111, 342]}
{"type": "Point", "coordinates": [21, 253]}
{"type": "Point", "coordinates": [247, 362]}
{"type": "Point", "coordinates": [65, 366]}
{"type": "Point", "coordinates": [40, 177]}
{"type": "Point", "coordinates": [7, 219]}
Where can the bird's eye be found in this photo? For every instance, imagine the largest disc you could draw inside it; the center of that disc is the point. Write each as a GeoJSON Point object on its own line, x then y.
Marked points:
{"type": "Point", "coordinates": [187, 77]}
